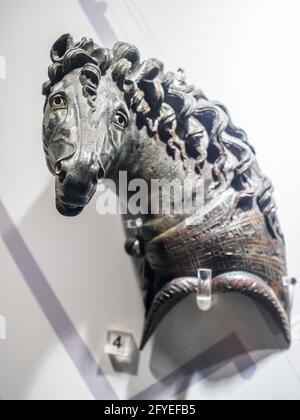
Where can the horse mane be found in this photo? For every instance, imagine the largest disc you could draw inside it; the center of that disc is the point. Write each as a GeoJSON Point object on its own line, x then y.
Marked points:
{"type": "Point", "coordinates": [165, 104]}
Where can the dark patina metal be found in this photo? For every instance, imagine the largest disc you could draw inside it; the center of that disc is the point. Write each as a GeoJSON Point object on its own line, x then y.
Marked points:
{"type": "Point", "coordinates": [107, 111]}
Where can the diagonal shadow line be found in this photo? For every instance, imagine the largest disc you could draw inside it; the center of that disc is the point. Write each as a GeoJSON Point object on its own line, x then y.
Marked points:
{"type": "Point", "coordinates": [78, 351]}
{"type": "Point", "coordinates": [280, 339]}
{"type": "Point", "coordinates": [53, 310]}
{"type": "Point", "coordinates": [200, 368]}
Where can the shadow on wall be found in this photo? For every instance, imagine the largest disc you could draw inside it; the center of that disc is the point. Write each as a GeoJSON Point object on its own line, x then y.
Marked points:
{"type": "Point", "coordinates": [244, 332]}
{"type": "Point", "coordinates": [95, 10]}
{"type": "Point", "coordinates": [84, 262]}
{"type": "Point", "coordinates": [232, 314]}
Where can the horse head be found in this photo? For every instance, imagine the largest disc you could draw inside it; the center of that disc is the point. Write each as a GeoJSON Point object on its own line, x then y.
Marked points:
{"type": "Point", "coordinates": [85, 117]}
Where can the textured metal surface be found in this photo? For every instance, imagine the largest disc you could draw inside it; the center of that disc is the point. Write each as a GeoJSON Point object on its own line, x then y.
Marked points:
{"type": "Point", "coordinates": [107, 111]}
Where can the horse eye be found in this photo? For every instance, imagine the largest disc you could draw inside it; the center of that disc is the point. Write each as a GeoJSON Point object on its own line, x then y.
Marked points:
{"type": "Point", "coordinates": [58, 102]}
{"type": "Point", "coordinates": [120, 120]}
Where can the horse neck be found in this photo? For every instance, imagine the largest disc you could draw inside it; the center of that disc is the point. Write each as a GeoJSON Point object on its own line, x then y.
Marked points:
{"type": "Point", "coordinates": [144, 157]}
{"type": "Point", "coordinates": [147, 158]}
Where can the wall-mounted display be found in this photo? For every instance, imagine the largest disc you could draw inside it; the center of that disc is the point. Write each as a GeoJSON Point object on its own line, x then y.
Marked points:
{"type": "Point", "coordinates": [108, 112]}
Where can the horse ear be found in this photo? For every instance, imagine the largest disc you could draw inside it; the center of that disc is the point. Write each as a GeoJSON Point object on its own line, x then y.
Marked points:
{"type": "Point", "coordinates": [60, 47]}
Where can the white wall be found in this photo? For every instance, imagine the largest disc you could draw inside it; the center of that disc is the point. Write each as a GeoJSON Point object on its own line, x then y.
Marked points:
{"type": "Point", "coordinates": [244, 53]}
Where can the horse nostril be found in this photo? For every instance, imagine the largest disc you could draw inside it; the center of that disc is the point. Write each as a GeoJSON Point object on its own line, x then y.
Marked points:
{"type": "Point", "coordinates": [101, 173]}
{"type": "Point", "coordinates": [59, 171]}
{"type": "Point", "coordinates": [58, 168]}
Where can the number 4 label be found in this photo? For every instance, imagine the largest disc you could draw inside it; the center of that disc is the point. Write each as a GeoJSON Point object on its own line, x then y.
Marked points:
{"type": "Point", "coordinates": [119, 344]}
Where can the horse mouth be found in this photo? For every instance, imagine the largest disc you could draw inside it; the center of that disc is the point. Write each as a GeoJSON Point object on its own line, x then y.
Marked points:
{"type": "Point", "coordinates": [71, 205]}
{"type": "Point", "coordinates": [68, 210]}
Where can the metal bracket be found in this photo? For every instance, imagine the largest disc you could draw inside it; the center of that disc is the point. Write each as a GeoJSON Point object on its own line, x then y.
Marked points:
{"type": "Point", "coordinates": [289, 284]}
{"type": "Point", "coordinates": [133, 224]}
{"type": "Point", "coordinates": [204, 290]}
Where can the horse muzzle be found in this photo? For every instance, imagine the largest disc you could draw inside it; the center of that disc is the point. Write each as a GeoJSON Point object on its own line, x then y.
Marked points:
{"type": "Point", "coordinates": [76, 183]}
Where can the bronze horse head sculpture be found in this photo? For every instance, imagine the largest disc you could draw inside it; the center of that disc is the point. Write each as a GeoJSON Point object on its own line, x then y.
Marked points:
{"type": "Point", "coordinates": [106, 111]}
